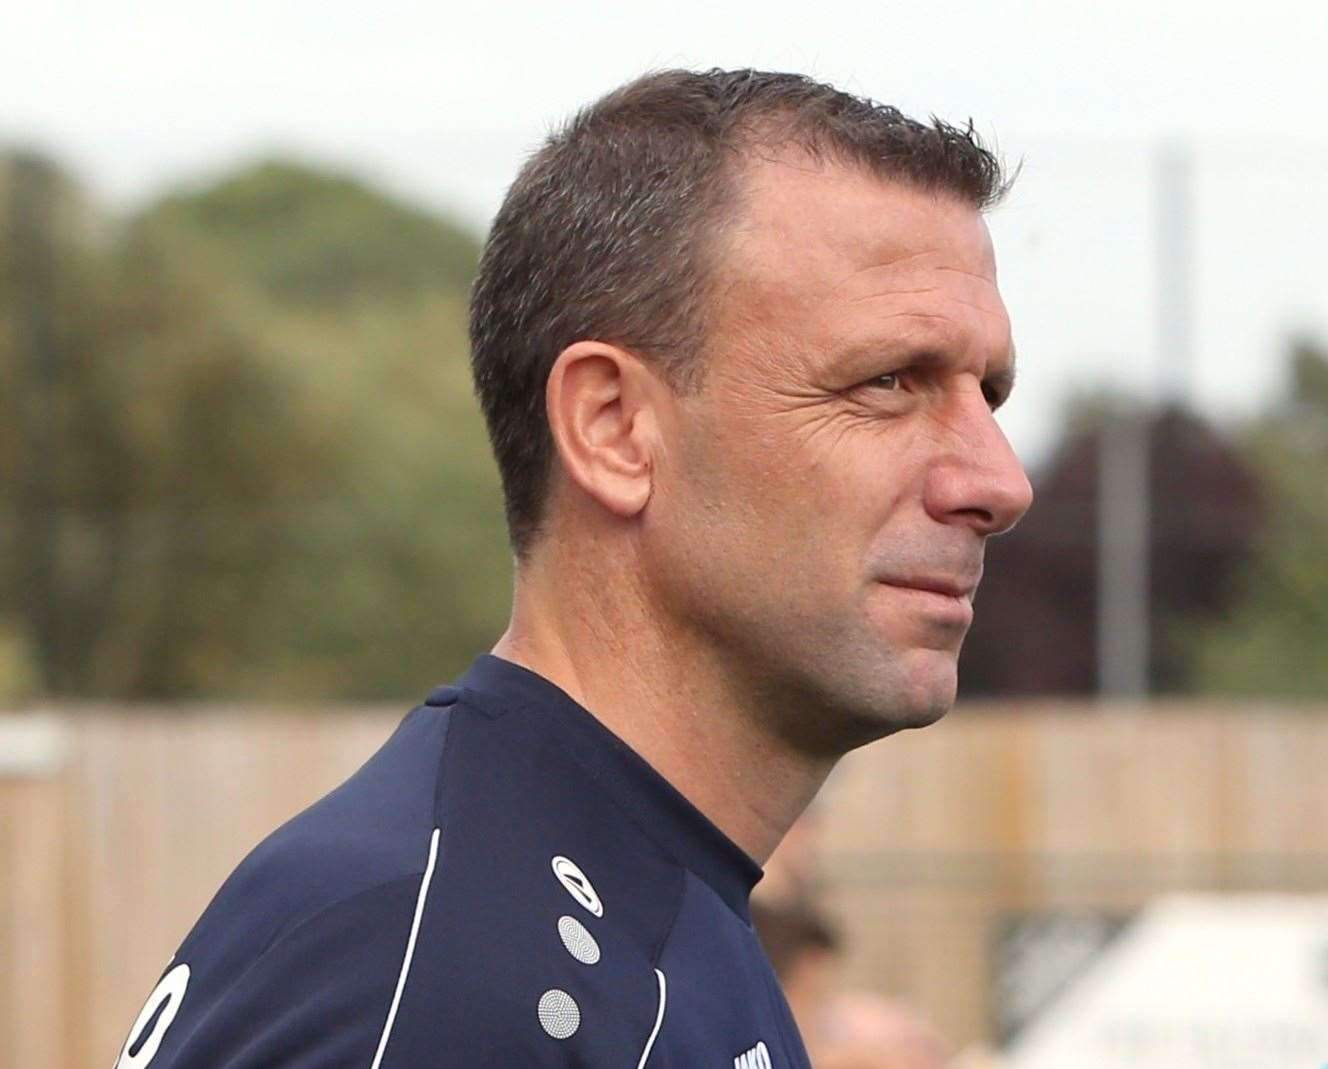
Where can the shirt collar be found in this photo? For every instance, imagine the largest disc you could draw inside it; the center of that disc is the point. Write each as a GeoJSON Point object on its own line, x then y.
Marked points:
{"type": "Point", "coordinates": [676, 825]}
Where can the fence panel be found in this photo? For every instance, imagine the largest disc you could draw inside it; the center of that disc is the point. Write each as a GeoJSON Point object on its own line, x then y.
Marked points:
{"type": "Point", "coordinates": [119, 826]}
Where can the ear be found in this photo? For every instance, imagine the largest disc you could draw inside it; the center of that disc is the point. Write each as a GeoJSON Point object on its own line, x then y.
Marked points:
{"type": "Point", "coordinates": [600, 400]}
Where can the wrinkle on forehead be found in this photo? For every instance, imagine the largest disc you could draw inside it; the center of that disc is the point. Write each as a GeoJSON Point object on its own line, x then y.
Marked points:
{"type": "Point", "coordinates": [905, 275]}
{"type": "Point", "coordinates": [985, 309]}
{"type": "Point", "coordinates": [883, 265]}
{"type": "Point", "coordinates": [971, 274]}
{"type": "Point", "coordinates": [824, 253]}
{"type": "Point", "coordinates": [922, 286]}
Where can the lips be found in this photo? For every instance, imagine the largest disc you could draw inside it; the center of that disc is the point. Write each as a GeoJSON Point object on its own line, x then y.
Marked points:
{"type": "Point", "coordinates": [954, 588]}
{"type": "Point", "coordinates": [943, 602]}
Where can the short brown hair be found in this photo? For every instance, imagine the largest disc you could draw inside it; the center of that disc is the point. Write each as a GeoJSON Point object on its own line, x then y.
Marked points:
{"type": "Point", "coordinates": [788, 931]}
{"type": "Point", "coordinates": [608, 232]}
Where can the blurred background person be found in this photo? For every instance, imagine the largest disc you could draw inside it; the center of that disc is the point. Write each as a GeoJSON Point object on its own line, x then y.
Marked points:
{"type": "Point", "coordinates": [843, 1029]}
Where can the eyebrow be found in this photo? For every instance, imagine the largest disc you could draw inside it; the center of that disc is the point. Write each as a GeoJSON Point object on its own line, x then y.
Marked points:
{"type": "Point", "coordinates": [996, 385]}
{"type": "Point", "coordinates": [1000, 382]}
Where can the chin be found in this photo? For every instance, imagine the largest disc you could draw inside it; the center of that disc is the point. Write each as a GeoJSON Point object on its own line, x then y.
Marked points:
{"type": "Point", "coordinates": [841, 690]}
{"type": "Point", "coordinates": [929, 691]}
{"type": "Point", "coordinates": [924, 712]}
{"type": "Point", "coordinates": [908, 692]}
{"type": "Point", "coordinates": [918, 689]}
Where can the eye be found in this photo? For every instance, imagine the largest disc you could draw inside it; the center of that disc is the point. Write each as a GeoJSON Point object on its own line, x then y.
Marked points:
{"type": "Point", "coordinates": [890, 381]}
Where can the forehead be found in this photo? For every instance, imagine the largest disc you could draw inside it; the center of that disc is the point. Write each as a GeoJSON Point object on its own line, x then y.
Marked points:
{"type": "Point", "coordinates": [825, 250]}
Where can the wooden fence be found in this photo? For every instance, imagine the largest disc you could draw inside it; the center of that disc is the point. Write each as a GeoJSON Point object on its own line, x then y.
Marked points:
{"type": "Point", "coordinates": [117, 825]}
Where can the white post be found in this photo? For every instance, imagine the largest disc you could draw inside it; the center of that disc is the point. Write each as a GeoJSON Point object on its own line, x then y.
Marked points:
{"type": "Point", "coordinates": [1124, 509]}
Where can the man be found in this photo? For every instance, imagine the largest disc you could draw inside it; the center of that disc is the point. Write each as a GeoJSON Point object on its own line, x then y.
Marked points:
{"type": "Point", "coordinates": [842, 1029]}
{"type": "Point", "coordinates": [738, 341]}
{"type": "Point", "coordinates": [804, 951]}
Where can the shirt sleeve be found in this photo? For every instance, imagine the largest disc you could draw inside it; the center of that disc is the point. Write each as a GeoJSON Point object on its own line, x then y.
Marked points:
{"type": "Point", "coordinates": [394, 978]}
{"type": "Point", "coordinates": [316, 998]}
{"type": "Point", "coordinates": [514, 981]}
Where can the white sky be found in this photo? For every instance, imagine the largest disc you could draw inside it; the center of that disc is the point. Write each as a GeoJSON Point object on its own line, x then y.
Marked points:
{"type": "Point", "coordinates": [441, 101]}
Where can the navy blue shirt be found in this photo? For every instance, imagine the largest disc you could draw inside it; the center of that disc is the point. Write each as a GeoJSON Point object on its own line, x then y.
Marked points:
{"type": "Point", "coordinates": [504, 883]}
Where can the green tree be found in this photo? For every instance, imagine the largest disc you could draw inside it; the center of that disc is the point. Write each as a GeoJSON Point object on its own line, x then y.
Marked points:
{"type": "Point", "coordinates": [1275, 640]}
{"type": "Point", "coordinates": [397, 571]}
{"type": "Point", "coordinates": [258, 470]}
{"type": "Point", "coordinates": [313, 239]}
{"type": "Point", "coordinates": [136, 411]}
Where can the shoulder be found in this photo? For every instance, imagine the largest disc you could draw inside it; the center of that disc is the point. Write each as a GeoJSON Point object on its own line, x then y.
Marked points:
{"type": "Point", "coordinates": [339, 879]}
{"type": "Point", "coordinates": [400, 974]}
{"type": "Point", "coordinates": [370, 831]}
{"type": "Point", "coordinates": [538, 940]}
{"type": "Point", "coordinates": [523, 975]}
{"type": "Point", "coordinates": [445, 960]}
{"type": "Point", "coordinates": [543, 918]}
{"type": "Point", "coordinates": [219, 1004]}
{"type": "Point", "coordinates": [465, 891]}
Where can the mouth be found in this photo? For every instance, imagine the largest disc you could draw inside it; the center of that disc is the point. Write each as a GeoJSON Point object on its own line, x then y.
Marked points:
{"type": "Point", "coordinates": [949, 587]}
{"type": "Point", "coordinates": [942, 599]}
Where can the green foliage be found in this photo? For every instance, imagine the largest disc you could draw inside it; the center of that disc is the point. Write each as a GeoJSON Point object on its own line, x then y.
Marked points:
{"type": "Point", "coordinates": [259, 471]}
{"type": "Point", "coordinates": [319, 240]}
{"type": "Point", "coordinates": [1275, 642]}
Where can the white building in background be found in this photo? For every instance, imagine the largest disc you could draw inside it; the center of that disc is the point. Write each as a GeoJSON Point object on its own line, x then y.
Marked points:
{"type": "Point", "coordinates": [1196, 982]}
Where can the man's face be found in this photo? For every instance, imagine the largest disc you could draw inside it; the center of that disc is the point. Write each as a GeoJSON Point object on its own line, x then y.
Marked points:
{"type": "Point", "coordinates": [842, 454]}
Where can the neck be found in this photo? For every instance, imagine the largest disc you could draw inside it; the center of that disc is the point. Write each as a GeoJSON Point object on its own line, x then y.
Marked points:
{"type": "Point", "coordinates": [666, 695]}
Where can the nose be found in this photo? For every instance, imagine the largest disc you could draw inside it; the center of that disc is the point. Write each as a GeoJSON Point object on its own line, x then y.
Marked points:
{"type": "Point", "coordinates": [976, 480]}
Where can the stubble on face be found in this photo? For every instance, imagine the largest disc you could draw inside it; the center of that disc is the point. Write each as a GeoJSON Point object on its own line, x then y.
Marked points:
{"type": "Point", "coordinates": [798, 480]}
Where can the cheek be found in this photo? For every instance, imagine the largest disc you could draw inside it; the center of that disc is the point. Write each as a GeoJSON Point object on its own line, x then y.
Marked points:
{"type": "Point", "coordinates": [769, 494]}
{"type": "Point", "coordinates": [727, 517]}
{"type": "Point", "coordinates": [861, 485]}
{"type": "Point", "coordinates": [737, 512]}
{"type": "Point", "coordinates": [768, 497]}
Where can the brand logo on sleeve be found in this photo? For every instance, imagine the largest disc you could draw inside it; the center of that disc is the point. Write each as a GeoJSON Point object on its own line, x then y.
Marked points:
{"type": "Point", "coordinates": [756, 1058]}
{"type": "Point", "coordinates": [156, 1017]}
{"type": "Point", "coordinates": [576, 884]}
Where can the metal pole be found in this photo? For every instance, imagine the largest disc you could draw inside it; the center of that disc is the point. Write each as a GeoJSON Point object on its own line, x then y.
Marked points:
{"type": "Point", "coordinates": [1124, 638]}
{"type": "Point", "coordinates": [1122, 580]}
